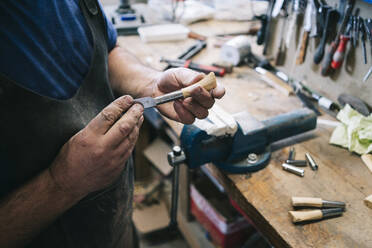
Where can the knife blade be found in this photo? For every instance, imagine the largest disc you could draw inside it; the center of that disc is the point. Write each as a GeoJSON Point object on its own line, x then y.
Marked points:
{"type": "Point", "coordinates": [208, 83]}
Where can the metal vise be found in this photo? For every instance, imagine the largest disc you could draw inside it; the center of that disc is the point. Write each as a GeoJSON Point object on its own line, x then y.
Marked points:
{"type": "Point", "coordinates": [249, 149]}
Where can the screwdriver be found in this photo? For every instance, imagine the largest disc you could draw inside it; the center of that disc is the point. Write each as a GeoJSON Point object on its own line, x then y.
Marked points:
{"type": "Point", "coordinates": [339, 55]}
{"type": "Point", "coordinates": [363, 31]}
{"type": "Point", "coordinates": [194, 66]}
{"type": "Point", "coordinates": [326, 65]}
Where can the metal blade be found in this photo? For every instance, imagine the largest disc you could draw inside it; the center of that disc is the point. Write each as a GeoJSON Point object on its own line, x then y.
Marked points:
{"type": "Point", "coordinates": [147, 102]}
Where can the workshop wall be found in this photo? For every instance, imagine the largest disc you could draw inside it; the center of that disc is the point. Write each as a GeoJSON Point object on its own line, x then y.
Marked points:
{"type": "Point", "coordinates": [348, 79]}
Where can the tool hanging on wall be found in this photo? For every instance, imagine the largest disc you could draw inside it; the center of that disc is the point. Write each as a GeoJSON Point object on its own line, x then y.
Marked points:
{"type": "Point", "coordinates": [330, 22]}
{"type": "Point", "coordinates": [305, 36]}
{"type": "Point", "coordinates": [263, 35]}
{"type": "Point", "coordinates": [326, 65]}
{"type": "Point", "coordinates": [298, 10]}
{"type": "Point", "coordinates": [281, 50]}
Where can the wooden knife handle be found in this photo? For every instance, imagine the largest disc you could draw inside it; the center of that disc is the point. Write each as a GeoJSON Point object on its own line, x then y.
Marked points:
{"type": "Point", "coordinates": [208, 83]}
{"type": "Point", "coordinates": [301, 55]}
{"type": "Point", "coordinates": [306, 202]}
{"type": "Point", "coordinates": [298, 216]}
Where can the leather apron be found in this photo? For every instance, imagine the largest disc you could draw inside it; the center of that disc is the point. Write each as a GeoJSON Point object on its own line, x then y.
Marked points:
{"type": "Point", "coordinates": [33, 128]}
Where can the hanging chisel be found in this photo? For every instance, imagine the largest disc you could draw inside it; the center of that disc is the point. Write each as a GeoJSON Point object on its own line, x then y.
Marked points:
{"type": "Point", "coordinates": [208, 83]}
{"type": "Point", "coordinates": [305, 36]}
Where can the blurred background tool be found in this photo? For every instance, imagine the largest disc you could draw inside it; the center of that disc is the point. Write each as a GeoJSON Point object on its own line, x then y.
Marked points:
{"type": "Point", "coordinates": [330, 22]}
{"type": "Point", "coordinates": [263, 35]}
{"type": "Point", "coordinates": [305, 36]}
{"type": "Point", "coordinates": [191, 51]}
{"type": "Point", "coordinates": [194, 66]}
{"type": "Point", "coordinates": [326, 65]}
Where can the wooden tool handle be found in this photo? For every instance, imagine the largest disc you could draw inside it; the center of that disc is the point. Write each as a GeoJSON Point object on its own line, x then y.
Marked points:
{"type": "Point", "coordinates": [208, 83]}
{"type": "Point", "coordinates": [301, 55]}
{"type": "Point", "coordinates": [298, 216]}
{"type": "Point", "coordinates": [367, 159]}
{"type": "Point", "coordinates": [368, 201]}
{"type": "Point", "coordinates": [276, 82]}
{"type": "Point", "coordinates": [306, 202]}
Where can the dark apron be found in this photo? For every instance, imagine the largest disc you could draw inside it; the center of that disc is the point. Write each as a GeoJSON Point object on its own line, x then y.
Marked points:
{"type": "Point", "coordinates": [33, 128]}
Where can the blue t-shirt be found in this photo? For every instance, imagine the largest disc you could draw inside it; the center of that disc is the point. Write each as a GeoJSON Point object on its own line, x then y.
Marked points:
{"type": "Point", "coordinates": [46, 45]}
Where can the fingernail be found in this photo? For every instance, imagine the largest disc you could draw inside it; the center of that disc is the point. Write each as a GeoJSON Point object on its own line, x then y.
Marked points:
{"type": "Point", "coordinates": [139, 107]}
{"type": "Point", "coordinates": [128, 98]}
{"type": "Point", "coordinates": [140, 122]}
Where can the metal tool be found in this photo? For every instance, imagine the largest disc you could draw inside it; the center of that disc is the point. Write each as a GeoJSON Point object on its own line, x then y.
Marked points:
{"type": "Point", "coordinates": [326, 65]}
{"type": "Point", "coordinates": [365, 78]}
{"type": "Point", "coordinates": [300, 216]}
{"type": "Point", "coordinates": [194, 66]}
{"type": "Point", "coordinates": [293, 169]}
{"type": "Point", "coordinates": [230, 152]}
{"type": "Point", "coordinates": [208, 83]}
{"type": "Point", "coordinates": [175, 159]}
{"type": "Point", "coordinates": [355, 102]}
{"type": "Point", "coordinates": [298, 10]}
{"type": "Point", "coordinates": [364, 36]}
{"type": "Point", "coordinates": [292, 154]}
{"type": "Point", "coordinates": [329, 24]}
{"type": "Point", "coordinates": [263, 35]}
{"type": "Point", "coordinates": [191, 51]}
{"type": "Point", "coordinates": [338, 56]}
{"type": "Point", "coordinates": [305, 36]}
{"type": "Point", "coordinates": [310, 160]}
{"type": "Point", "coordinates": [300, 163]}
{"type": "Point", "coordinates": [316, 202]}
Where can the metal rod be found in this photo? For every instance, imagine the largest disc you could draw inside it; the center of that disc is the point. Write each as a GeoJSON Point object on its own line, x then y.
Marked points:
{"type": "Point", "coordinates": [175, 187]}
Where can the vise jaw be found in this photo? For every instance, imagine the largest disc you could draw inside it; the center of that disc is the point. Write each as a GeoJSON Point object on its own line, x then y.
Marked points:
{"type": "Point", "coordinates": [230, 153]}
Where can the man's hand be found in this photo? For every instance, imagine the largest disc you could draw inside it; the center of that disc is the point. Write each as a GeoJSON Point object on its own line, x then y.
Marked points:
{"type": "Point", "coordinates": [94, 158]}
{"type": "Point", "coordinates": [185, 110]}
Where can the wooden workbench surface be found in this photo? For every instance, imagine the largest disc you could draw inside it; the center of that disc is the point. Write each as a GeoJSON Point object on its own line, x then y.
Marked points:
{"type": "Point", "coordinates": [265, 195]}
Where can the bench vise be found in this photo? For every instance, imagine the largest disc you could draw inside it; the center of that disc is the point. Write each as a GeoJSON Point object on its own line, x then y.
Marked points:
{"type": "Point", "coordinates": [249, 149]}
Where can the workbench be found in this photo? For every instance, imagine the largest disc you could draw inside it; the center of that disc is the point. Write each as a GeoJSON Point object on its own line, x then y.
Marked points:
{"type": "Point", "coordinates": [265, 195]}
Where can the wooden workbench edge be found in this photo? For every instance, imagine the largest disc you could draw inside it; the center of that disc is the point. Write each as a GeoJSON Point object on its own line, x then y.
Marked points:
{"type": "Point", "coordinates": [258, 220]}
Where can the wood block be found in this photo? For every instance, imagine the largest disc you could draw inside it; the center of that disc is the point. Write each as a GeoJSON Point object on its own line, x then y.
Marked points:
{"type": "Point", "coordinates": [151, 218]}
{"type": "Point", "coordinates": [367, 159]}
{"type": "Point", "coordinates": [156, 153]}
{"type": "Point", "coordinates": [368, 201]}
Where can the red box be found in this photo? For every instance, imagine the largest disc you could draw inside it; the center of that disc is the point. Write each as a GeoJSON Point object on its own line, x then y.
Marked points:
{"type": "Point", "coordinates": [225, 231]}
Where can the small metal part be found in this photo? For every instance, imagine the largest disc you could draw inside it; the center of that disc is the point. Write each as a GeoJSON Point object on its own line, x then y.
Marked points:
{"type": "Point", "coordinates": [293, 169]}
{"type": "Point", "coordinates": [301, 163]}
{"type": "Point", "coordinates": [252, 158]}
{"type": "Point", "coordinates": [333, 204]}
{"type": "Point", "coordinates": [332, 212]}
{"type": "Point", "coordinates": [365, 78]}
{"type": "Point", "coordinates": [311, 161]}
{"type": "Point", "coordinates": [292, 154]}
{"type": "Point", "coordinates": [176, 157]}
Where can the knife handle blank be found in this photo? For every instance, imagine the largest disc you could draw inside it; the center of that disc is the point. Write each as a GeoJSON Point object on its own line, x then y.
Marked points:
{"type": "Point", "coordinates": [208, 83]}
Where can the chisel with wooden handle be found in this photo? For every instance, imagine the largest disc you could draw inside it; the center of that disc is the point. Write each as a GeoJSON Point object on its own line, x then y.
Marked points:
{"type": "Point", "coordinates": [208, 83]}
{"type": "Point", "coordinates": [316, 202]}
{"type": "Point", "coordinates": [300, 216]}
